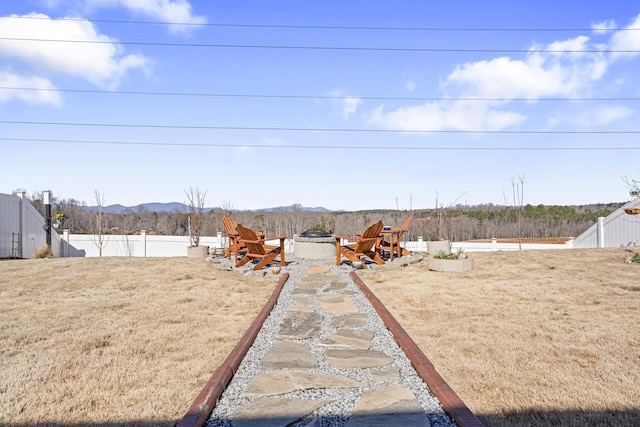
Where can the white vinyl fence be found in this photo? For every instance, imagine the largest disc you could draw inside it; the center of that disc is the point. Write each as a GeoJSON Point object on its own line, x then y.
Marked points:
{"type": "Point", "coordinates": [148, 245]}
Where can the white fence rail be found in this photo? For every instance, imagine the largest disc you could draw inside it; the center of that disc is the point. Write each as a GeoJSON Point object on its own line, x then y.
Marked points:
{"type": "Point", "coordinates": [147, 245]}
{"type": "Point", "coordinates": [492, 246]}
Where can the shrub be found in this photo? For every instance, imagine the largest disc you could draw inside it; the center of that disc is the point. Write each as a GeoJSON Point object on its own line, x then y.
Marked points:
{"type": "Point", "coordinates": [443, 255]}
{"type": "Point", "coordinates": [43, 251]}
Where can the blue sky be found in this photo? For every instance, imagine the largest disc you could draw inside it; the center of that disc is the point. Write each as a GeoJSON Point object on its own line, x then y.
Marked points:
{"type": "Point", "coordinates": [453, 112]}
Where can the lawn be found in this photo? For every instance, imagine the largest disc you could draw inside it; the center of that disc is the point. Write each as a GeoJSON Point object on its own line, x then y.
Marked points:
{"type": "Point", "coordinates": [116, 341]}
{"type": "Point", "coordinates": [529, 338]}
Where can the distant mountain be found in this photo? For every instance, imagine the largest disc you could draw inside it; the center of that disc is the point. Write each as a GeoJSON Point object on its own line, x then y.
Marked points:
{"type": "Point", "coordinates": [165, 207]}
{"type": "Point", "coordinates": [151, 207]}
{"type": "Point", "coordinates": [288, 208]}
{"type": "Point", "coordinates": [170, 207]}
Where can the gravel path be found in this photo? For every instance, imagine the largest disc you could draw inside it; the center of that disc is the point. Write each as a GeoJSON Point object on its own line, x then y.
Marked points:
{"type": "Point", "coordinates": [343, 401]}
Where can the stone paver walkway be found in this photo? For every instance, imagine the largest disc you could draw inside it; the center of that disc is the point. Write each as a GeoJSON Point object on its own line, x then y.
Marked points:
{"type": "Point", "coordinates": [326, 359]}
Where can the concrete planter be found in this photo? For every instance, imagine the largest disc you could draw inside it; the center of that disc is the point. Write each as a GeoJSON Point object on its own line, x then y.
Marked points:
{"type": "Point", "coordinates": [451, 265]}
{"type": "Point", "coordinates": [197, 251]}
{"type": "Point", "coordinates": [433, 246]}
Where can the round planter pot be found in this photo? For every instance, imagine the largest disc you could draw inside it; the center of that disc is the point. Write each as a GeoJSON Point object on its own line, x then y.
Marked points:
{"type": "Point", "coordinates": [434, 246]}
{"type": "Point", "coordinates": [197, 251]}
{"type": "Point", "coordinates": [451, 265]}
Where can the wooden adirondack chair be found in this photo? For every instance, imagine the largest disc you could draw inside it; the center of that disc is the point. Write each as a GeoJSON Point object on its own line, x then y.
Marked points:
{"type": "Point", "coordinates": [393, 245]}
{"type": "Point", "coordinates": [233, 238]}
{"type": "Point", "coordinates": [366, 245]}
{"type": "Point", "coordinates": [229, 229]}
{"type": "Point", "coordinates": [257, 249]}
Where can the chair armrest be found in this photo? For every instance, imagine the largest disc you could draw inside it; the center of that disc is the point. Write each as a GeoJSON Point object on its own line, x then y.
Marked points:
{"type": "Point", "coordinates": [344, 237]}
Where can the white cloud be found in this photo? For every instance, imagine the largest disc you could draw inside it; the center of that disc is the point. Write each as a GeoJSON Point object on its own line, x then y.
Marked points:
{"type": "Point", "coordinates": [603, 27]}
{"type": "Point", "coordinates": [538, 75]}
{"type": "Point", "coordinates": [564, 72]}
{"type": "Point", "coordinates": [410, 86]}
{"type": "Point", "coordinates": [600, 116]}
{"type": "Point", "coordinates": [160, 10]}
{"type": "Point", "coordinates": [33, 97]}
{"type": "Point", "coordinates": [348, 105]}
{"type": "Point", "coordinates": [436, 116]}
{"type": "Point", "coordinates": [626, 40]}
{"type": "Point", "coordinates": [102, 63]}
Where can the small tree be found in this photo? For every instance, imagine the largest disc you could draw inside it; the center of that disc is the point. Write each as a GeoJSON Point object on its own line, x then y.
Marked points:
{"type": "Point", "coordinates": [517, 188]}
{"type": "Point", "coordinates": [633, 185]}
{"type": "Point", "coordinates": [99, 224]}
{"type": "Point", "coordinates": [196, 215]}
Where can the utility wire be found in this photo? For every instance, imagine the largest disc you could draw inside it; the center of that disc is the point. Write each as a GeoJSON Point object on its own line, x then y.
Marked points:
{"type": "Point", "coordinates": [285, 96]}
{"type": "Point", "coordinates": [351, 147]}
{"type": "Point", "coordinates": [300, 129]}
{"type": "Point", "coordinates": [322, 27]}
{"type": "Point", "coordinates": [335, 48]}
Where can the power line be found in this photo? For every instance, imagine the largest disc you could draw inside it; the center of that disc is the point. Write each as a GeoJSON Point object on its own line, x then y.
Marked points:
{"type": "Point", "coordinates": [324, 27]}
{"type": "Point", "coordinates": [351, 147]}
{"type": "Point", "coordinates": [334, 48]}
{"type": "Point", "coordinates": [289, 96]}
{"type": "Point", "coordinates": [301, 129]}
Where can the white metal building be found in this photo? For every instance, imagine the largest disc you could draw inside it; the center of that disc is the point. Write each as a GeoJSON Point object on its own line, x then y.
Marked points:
{"type": "Point", "coordinates": [21, 228]}
{"type": "Point", "coordinates": [618, 229]}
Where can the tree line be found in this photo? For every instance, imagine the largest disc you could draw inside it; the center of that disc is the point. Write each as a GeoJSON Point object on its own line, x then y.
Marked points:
{"type": "Point", "coordinates": [457, 223]}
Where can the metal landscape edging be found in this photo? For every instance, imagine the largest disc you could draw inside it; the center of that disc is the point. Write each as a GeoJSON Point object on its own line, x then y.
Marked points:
{"type": "Point", "coordinates": [201, 408]}
{"type": "Point", "coordinates": [450, 401]}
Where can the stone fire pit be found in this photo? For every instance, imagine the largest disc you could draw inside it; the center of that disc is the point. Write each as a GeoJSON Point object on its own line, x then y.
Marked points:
{"type": "Point", "coordinates": [315, 244]}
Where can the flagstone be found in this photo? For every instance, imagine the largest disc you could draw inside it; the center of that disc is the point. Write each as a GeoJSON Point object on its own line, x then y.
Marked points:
{"type": "Point", "coordinates": [274, 411]}
{"type": "Point", "coordinates": [349, 338]}
{"type": "Point", "coordinates": [357, 359]}
{"type": "Point", "coordinates": [304, 304]}
{"type": "Point", "coordinates": [390, 373]}
{"type": "Point", "coordinates": [336, 285]}
{"type": "Point", "coordinates": [349, 321]}
{"type": "Point", "coordinates": [302, 308]}
{"type": "Point", "coordinates": [317, 269]}
{"type": "Point", "coordinates": [291, 355]}
{"type": "Point", "coordinates": [306, 284]}
{"type": "Point", "coordinates": [337, 304]}
{"type": "Point", "coordinates": [287, 381]}
{"type": "Point", "coordinates": [388, 406]}
{"type": "Point", "coordinates": [296, 325]}
{"type": "Point", "coordinates": [303, 299]}
{"type": "Point", "coordinates": [304, 291]}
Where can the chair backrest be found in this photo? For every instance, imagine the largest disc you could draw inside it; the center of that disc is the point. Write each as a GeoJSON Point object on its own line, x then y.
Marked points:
{"type": "Point", "coordinates": [229, 224]}
{"type": "Point", "coordinates": [405, 224]}
{"type": "Point", "coordinates": [250, 240]}
{"type": "Point", "coordinates": [370, 233]}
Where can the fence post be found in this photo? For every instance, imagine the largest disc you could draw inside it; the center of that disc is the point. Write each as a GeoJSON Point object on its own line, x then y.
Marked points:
{"type": "Point", "coordinates": [65, 242]}
{"type": "Point", "coordinates": [569, 243]}
{"type": "Point", "coordinates": [21, 195]}
{"type": "Point", "coordinates": [494, 244]}
{"type": "Point", "coordinates": [143, 237]}
{"type": "Point", "coordinates": [46, 195]}
{"type": "Point", "coordinates": [601, 232]}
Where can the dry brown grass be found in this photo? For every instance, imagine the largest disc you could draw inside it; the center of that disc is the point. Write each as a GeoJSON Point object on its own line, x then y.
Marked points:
{"type": "Point", "coordinates": [529, 338]}
{"type": "Point", "coordinates": [116, 341]}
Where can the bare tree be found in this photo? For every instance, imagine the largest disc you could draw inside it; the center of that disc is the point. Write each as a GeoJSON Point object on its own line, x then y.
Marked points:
{"type": "Point", "coordinates": [633, 185]}
{"type": "Point", "coordinates": [517, 188]}
{"type": "Point", "coordinates": [99, 224]}
{"type": "Point", "coordinates": [196, 214]}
